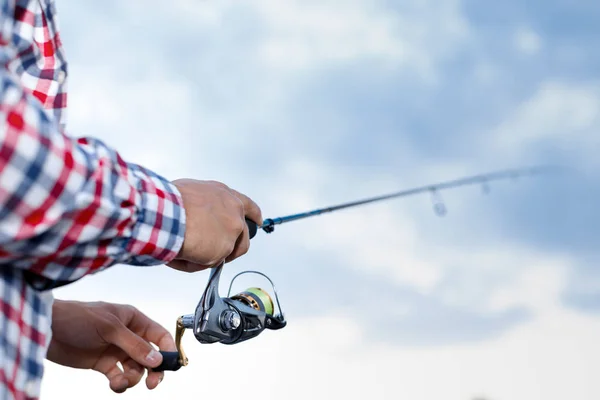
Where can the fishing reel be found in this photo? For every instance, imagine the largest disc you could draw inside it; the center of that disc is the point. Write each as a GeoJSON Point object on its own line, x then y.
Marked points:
{"type": "Point", "coordinates": [226, 320]}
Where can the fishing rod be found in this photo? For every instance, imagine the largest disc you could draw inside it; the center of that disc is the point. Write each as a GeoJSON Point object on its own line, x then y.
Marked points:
{"type": "Point", "coordinates": [268, 224]}
{"type": "Point", "coordinates": [243, 316]}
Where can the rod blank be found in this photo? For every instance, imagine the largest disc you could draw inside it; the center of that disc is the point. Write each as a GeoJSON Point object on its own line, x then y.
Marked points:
{"type": "Point", "coordinates": [483, 179]}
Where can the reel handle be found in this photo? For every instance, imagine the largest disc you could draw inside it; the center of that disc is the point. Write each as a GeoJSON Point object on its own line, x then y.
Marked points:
{"type": "Point", "coordinates": [173, 360]}
{"type": "Point", "coordinates": [170, 362]}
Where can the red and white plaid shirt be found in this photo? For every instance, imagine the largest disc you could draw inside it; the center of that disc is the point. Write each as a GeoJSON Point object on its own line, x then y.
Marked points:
{"type": "Point", "coordinates": [68, 207]}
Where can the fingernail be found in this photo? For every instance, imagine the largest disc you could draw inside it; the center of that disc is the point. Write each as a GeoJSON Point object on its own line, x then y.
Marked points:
{"type": "Point", "coordinates": [160, 379]}
{"type": "Point", "coordinates": [153, 356]}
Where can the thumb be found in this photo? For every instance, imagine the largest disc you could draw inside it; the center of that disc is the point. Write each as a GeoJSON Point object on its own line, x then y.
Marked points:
{"type": "Point", "coordinates": [136, 347]}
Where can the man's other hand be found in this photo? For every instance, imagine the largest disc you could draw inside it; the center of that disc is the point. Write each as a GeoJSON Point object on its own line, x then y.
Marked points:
{"type": "Point", "coordinates": [100, 335]}
{"type": "Point", "coordinates": [216, 229]}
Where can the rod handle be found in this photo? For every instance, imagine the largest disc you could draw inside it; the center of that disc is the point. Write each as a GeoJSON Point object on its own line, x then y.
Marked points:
{"type": "Point", "coordinates": [252, 227]}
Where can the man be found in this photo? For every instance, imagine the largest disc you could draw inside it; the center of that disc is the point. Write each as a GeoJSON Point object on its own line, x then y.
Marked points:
{"type": "Point", "coordinates": [73, 207]}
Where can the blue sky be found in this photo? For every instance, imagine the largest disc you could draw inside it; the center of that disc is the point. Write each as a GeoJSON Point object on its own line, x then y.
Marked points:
{"type": "Point", "coordinates": [302, 104]}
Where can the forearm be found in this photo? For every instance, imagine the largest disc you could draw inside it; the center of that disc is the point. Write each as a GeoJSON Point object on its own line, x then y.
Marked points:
{"type": "Point", "coordinates": [70, 207]}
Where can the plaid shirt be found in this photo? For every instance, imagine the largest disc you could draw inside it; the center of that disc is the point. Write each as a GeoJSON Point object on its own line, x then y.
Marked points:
{"type": "Point", "coordinates": [68, 207]}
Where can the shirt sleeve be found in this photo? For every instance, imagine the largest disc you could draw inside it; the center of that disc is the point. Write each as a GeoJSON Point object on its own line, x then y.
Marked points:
{"type": "Point", "coordinates": [70, 207]}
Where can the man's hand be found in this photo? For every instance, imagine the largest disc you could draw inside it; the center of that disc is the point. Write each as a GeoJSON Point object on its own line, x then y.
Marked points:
{"type": "Point", "coordinates": [99, 335]}
{"type": "Point", "coordinates": [216, 229]}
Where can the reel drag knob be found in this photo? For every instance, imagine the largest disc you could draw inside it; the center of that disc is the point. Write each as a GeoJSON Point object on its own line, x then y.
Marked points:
{"type": "Point", "coordinates": [256, 298]}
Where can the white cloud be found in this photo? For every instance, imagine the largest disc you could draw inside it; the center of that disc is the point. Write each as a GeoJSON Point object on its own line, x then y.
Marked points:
{"type": "Point", "coordinates": [304, 35]}
{"type": "Point", "coordinates": [153, 118]}
{"type": "Point", "coordinates": [527, 41]}
{"type": "Point", "coordinates": [149, 121]}
{"type": "Point", "coordinates": [159, 118]}
{"type": "Point", "coordinates": [240, 81]}
{"type": "Point", "coordinates": [561, 117]}
{"type": "Point", "coordinates": [538, 287]}
{"type": "Point", "coordinates": [552, 357]}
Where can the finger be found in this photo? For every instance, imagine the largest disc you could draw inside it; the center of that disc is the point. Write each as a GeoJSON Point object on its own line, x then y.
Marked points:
{"type": "Point", "coordinates": [134, 346]}
{"type": "Point", "coordinates": [108, 366]}
{"type": "Point", "coordinates": [118, 382]}
{"type": "Point", "coordinates": [155, 333]}
{"type": "Point", "coordinates": [133, 371]}
{"type": "Point", "coordinates": [241, 246]}
{"type": "Point", "coordinates": [188, 266]}
{"type": "Point", "coordinates": [251, 209]}
{"type": "Point", "coordinates": [152, 331]}
{"type": "Point", "coordinates": [153, 379]}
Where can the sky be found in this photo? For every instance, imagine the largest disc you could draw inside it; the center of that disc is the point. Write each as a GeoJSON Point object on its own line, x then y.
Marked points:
{"type": "Point", "coordinates": [305, 104]}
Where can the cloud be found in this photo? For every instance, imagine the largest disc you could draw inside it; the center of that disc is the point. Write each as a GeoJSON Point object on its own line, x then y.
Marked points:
{"type": "Point", "coordinates": [304, 35]}
{"type": "Point", "coordinates": [559, 118]}
{"type": "Point", "coordinates": [308, 104]}
{"type": "Point", "coordinates": [550, 357]}
{"type": "Point", "coordinates": [250, 125]}
{"type": "Point", "coordinates": [528, 41]}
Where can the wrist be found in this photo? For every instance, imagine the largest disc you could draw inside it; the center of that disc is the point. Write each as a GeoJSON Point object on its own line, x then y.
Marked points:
{"type": "Point", "coordinates": [158, 234]}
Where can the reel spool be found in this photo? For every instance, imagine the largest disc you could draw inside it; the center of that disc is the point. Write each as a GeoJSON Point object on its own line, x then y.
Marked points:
{"type": "Point", "coordinates": [256, 298]}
